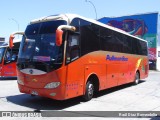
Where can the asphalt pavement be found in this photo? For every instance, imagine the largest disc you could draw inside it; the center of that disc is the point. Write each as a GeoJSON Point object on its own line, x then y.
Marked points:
{"type": "Point", "coordinates": [142, 97]}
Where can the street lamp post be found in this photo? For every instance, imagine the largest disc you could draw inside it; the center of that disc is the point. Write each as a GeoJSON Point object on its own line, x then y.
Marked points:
{"type": "Point", "coordinates": [93, 7]}
{"type": "Point", "coordinates": [16, 23]}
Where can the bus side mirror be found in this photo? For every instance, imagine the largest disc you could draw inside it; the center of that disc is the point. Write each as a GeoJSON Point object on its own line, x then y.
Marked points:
{"type": "Point", "coordinates": [11, 41]}
{"type": "Point", "coordinates": [59, 34]}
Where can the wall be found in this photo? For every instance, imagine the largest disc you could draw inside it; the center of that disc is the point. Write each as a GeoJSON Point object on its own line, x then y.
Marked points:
{"type": "Point", "coordinates": [158, 45]}
{"type": "Point", "coordinates": [141, 25]}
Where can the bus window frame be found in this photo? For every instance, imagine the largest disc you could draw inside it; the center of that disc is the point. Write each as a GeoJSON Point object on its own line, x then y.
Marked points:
{"type": "Point", "coordinates": [12, 53]}
{"type": "Point", "coordinates": [3, 56]}
{"type": "Point", "coordinates": [68, 52]}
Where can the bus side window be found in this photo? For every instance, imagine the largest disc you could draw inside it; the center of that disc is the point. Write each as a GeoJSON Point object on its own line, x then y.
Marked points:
{"type": "Point", "coordinates": [7, 57]}
{"type": "Point", "coordinates": [11, 55]}
{"type": "Point", "coordinates": [73, 49]}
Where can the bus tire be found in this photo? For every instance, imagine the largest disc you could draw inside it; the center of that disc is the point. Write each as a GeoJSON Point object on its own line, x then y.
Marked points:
{"type": "Point", "coordinates": [137, 79]}
{"type": "Point", "coordinates": [89, 91]}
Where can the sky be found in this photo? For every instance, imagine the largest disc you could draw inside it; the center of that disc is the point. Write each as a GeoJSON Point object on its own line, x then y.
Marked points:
{"type": "Point", "coordinates": [16, 13]}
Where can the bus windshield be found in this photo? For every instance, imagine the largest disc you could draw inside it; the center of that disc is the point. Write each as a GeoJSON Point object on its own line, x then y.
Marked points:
{"type": "Point", "coordinates": [38, 46]}
{"type": "Point", "coordinates": [2, 50]}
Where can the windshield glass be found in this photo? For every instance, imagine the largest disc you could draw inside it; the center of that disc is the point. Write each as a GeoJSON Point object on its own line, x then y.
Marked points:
{"type": "Point", "coordinates": [2, 50]}
{"type": "Point", "coordinates": [38, 48]}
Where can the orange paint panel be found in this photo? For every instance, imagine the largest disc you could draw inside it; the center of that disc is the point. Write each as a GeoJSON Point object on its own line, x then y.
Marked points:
{"type": "Point", "coordinates": [123, 74]}
{"type": "Point", "coordinates": [115, 70]}
{"type": "Point", "coordinates": [9, 70]}
{"type": "Point", "coordinates": [38, 82]}
{"type": "Point", "coordinates": [75, 79]}
{"type": "Point", "coordinates": [112, 73]}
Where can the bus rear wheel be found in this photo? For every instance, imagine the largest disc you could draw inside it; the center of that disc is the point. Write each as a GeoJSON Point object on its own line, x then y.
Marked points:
{"type": "Point", "coordinates": [137, 79]}
{"type": "Point", "coordinates": [89, 91]}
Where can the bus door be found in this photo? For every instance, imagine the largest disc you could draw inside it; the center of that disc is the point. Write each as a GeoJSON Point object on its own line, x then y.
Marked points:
{"type": "Point", "coordinates": [75, 70]}
{"type": "Point", "coordinates": [2, 51]}
{"type": "Point", "coordinates": [9, 67]}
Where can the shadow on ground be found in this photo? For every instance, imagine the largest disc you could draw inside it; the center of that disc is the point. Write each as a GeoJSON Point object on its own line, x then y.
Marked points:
{"type": "Point", "coordinates": [7, 78]}
{"type": "Point", "coordinates": [40, 103]}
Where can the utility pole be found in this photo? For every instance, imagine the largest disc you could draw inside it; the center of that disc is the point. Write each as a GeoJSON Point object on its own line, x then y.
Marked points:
{"type": "Point", "coordinates": [16, 23]}
{"type": "Point", "coordinates": [93, 7]}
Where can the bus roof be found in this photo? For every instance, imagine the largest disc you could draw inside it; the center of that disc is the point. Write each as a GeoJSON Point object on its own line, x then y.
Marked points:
{"type": "Point", "coordinates": [70, 17]}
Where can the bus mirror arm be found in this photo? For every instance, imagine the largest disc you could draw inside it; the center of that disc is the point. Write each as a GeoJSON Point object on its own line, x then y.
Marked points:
{"type": "Point", "coordinates": [11, 38]}
{"type": "Point", "coordinates": [11, 41]}
{"type": "Point", "coordinates": [67, 27]}
{"type": "Point", "coordinates": [59, 33]}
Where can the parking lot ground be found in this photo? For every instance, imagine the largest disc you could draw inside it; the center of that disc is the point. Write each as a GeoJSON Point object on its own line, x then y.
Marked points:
{"type": "Point", "coordinates": [142, 97]}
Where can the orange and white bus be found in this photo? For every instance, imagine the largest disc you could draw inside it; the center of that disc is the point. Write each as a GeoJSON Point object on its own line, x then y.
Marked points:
{"type": "Point", "coordinates": [8, 58]}
{"type": "Point", "coordinates": [66, 56]}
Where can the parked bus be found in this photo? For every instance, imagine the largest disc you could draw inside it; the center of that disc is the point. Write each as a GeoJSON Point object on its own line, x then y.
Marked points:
{"type": "Point", "coordinates": [66, 56]}
{"type": "Point", "coordinates": [8, 58]}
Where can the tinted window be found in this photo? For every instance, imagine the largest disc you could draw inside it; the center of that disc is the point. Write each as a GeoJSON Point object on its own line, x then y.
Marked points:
{"type": "Point", "coordinates": [127, 45]}
{"type": "Point", "coordinates": [118, 42]}
{"type": "Point", "coordinates": [134, 46]}
{"type": "Point", "coordinates": [143, 48]}
{"type": "Point", "coordinates": [95, 37]}
{"type": "Point", "coordinates": [111, 40]}
{"type": "Point", "coordinates": [76, 23]}
{"type": "Point", "coordinates": [44, 27]}
{"type": "Point", "coordinates": [106, 39]}
{"type": "Point", "coordinates": [2, 50]}
{"type": "Point", "coordinates": [89, 37]}
{"type": "Point", "coordinates": [73, 49]}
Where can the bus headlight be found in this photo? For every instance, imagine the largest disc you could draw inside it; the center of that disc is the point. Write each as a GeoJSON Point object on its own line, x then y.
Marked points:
{"type": "Point", "coordinates": [20, 82]}
{"type": "Point", "coordinates": [52, 85]}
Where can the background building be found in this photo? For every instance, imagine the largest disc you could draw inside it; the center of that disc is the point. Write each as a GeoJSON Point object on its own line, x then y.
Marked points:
{"type": "Point", "coordinates": [145, 26]}
{"type": "Point", "coordinates": [2, 40]}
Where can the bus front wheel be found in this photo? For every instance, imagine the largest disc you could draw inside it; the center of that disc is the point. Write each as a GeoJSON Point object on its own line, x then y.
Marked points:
{"type": "Point", "coordinates": [89, 91]}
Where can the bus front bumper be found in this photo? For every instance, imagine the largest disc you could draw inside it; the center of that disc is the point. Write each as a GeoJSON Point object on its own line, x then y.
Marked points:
{"type": "Point", "coordinates": [43, 92]}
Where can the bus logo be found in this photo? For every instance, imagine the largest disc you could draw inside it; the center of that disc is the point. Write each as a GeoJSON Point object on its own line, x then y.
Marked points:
{"type": "Point", "coordinates": [34, 80]}
{"type": "Point", "coordinates": [114, 58]}
{"type": "Point", "coordinates": [31, 71]}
